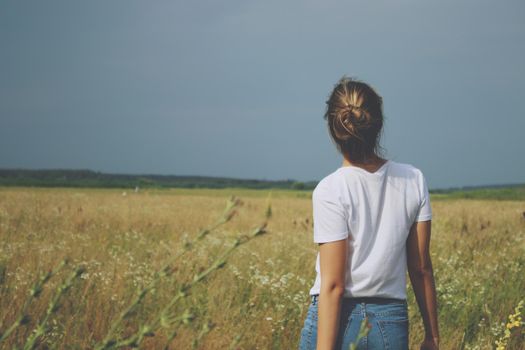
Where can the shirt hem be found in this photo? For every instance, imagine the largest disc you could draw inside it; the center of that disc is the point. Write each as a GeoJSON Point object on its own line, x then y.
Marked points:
{"type": "Point", "coordinates": [424, 218]}
{"type": "Point", "coordinates": [398, 297]}
{"type": "Point", "coordinates": [321, 239]}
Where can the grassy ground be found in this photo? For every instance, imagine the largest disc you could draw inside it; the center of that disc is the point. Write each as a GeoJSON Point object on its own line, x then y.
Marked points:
{"type": "Point", "coordinates": [258, 299]}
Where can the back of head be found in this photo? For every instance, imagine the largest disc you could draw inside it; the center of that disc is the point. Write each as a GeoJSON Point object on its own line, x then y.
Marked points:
{"type": "Point", "coordinates": [355, 119]}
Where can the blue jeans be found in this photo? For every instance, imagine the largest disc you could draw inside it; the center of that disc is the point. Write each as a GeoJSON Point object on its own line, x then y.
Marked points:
{"type": "Point", "coordinates": [388, 319]}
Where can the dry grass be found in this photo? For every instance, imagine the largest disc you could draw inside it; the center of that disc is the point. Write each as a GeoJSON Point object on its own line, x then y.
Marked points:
{"type": "Point", "coordinates": [258, 300]}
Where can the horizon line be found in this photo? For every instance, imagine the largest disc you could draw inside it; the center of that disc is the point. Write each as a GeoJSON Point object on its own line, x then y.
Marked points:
{"type": "Point", "coordinates": [464, 187]}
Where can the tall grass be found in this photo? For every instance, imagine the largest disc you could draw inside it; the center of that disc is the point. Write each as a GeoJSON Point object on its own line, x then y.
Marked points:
{"type": "Point", "coordinates": [164, 318]}
{"type": "Point", "coordinates": [143, 270]}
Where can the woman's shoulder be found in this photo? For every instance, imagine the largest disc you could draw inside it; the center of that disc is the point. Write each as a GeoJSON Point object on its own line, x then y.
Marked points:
{"type": "Point", "coordinates": [405, 169]}
{"type": "Point", "coordinates": [327, 184]}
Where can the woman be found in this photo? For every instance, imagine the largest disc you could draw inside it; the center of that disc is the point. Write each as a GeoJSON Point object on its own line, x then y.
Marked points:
{"type": "Point", "coordinates": [372, 221]}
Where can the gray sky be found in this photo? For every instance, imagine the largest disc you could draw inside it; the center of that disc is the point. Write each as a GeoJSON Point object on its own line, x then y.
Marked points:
{"type": "Point", "coordinates": [238, 88]}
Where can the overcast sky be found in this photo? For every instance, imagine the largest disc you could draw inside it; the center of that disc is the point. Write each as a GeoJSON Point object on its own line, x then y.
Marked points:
{"type": "Point", "coordinates": [238, 88]}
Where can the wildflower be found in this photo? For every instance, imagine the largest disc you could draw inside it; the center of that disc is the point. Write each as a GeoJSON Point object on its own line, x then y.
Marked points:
{"type": "Point", "coordinates": [514, 321]}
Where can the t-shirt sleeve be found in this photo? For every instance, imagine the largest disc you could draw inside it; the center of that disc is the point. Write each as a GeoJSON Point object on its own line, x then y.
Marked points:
{"type": "Point", "coordinates": [425, 211]}
{"type": "Point", "coordinates": [329, 216]}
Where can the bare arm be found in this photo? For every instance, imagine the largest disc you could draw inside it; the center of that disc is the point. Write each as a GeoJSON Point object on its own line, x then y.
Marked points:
{"type": "Point", "coordinates": [332, 259]}
{"type": "Point", "coordinates": [422, 279]}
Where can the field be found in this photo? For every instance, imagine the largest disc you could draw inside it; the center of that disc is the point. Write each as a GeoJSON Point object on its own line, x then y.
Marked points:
{"type": "Point", "coordinates": [254, 297]}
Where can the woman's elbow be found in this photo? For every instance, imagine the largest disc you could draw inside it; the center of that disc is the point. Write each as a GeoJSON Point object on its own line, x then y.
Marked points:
{"type": "Point", "coordinates": [333, 288]}
{"type": "Point", "coordinates": [421, 270]}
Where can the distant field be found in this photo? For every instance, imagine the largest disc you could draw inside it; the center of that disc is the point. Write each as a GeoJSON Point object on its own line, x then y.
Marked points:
{"type": "Point", "coordinates": [95, 179]}
{"type": "Point", "coordinates": [259, 298]}
{"type": "Point", "coordinates": [515, 193]}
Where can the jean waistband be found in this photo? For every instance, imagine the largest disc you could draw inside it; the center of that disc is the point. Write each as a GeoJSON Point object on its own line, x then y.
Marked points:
{"type": "Point", "coordinates": [367, 300]}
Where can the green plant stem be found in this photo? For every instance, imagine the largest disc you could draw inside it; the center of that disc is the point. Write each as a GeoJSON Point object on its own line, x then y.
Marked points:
{"type": "Point", "coordinates": [34, 293]}
{"type": "Point", "coordinates": [163, 319]}
{"type": "Point", "coordinates": [41, 328]}
{"type": "Point", "coordinates": [109, 342]}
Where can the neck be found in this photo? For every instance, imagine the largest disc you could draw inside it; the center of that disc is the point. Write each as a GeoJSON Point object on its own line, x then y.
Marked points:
{"type": "Point", "coordinates": [371, 164]}
{"type": "Point", "coordinates": [373, 160]}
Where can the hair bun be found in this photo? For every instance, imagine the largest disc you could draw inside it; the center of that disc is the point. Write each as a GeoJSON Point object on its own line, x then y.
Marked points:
{"type": "Point", "coordinates": [355, 118]}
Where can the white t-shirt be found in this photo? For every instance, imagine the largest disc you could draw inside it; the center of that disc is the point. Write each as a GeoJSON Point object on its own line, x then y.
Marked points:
{"type": "Point", "coordinates": [374, 212]}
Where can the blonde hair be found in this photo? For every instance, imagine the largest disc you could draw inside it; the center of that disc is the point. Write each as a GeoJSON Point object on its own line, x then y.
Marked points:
{"type": "Point", "coordinates": [355, 119]}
